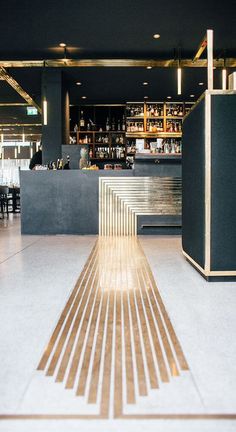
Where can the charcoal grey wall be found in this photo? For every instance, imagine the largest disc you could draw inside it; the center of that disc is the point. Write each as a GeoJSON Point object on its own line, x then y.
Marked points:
{"type": "Point", "coordinates": [53, 133]}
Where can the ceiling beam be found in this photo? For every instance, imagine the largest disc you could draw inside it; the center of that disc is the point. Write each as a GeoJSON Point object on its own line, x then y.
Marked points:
{"type": "Point", "coordinates": [201, 48]}
{"type": "Point", "coordinates": [65, 63]}
{"type": "Point", "coordinates": [14, 84]}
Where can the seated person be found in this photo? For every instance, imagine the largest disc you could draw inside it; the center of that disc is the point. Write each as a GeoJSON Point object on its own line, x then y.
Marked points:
{"type": "Point", "coordinates": [36, 159]}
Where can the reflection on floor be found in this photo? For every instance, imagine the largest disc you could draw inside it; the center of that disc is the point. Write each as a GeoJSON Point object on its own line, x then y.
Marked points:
{"type": "Point", "coordinates": [141, 340]}
{"type": "Point", "coordinates": [114, 326]}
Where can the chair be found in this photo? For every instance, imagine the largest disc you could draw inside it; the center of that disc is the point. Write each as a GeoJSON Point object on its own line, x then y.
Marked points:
{"type": "Point", "coordinates": [4, 199]}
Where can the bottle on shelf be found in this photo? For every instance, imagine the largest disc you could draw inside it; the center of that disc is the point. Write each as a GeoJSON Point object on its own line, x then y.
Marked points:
{"type": "Point", "coordinates": [123, 123]}
{"type": "Point", "coordinates": [107, 124]}
{"type": "Point", "coordinates": [113, 125]}
{"type": "Point", "coordinates": [81, 122]}
{"type": "Point", "coordinates": [67, 164]}
{"type": "Point", "coordinates": [118, 125]}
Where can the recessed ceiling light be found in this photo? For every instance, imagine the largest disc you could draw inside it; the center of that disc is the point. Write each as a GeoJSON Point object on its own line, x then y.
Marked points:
{"type": "Point", "coordinates": [145, 97]}
{"type": "Point", "coordinates": [79, 83]}
{"type": "Point", "coordinates": [84, 97]}
{"type": "Point", "coordinates": [145, 83]}
{"type": "Point", "coordinates": [192, 95]}
{"type": "Point", "coordinates": [62, 44]}
{"type": "Point", "coordinates": [201, 83]}
{"type": "Point", "coordinates": [156, 36]}
{"type": "Point", "coordinates": [168, 97]}
{"type": "Point", "coordinates": [149, 67]}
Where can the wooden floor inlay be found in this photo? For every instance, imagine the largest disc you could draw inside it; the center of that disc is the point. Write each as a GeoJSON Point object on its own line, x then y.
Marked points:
{"type": "Point", "coordinates": [114, 342]}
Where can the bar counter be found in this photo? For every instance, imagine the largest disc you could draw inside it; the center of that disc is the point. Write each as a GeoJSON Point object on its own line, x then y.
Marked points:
{"type": "Point", "coordinates": [67, 202]}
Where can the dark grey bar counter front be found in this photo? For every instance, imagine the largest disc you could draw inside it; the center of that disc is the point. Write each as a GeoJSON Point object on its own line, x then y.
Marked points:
{"type": "Point", "coordinates": [67, 202]}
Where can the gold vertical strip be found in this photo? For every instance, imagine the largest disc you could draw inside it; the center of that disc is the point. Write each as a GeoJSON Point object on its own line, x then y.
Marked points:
{"type": "Point", "coordinates": [118, 396]}
{"type": "Point", "coordinates": [93, 391]}
{"type": "Point", "coordinates": [128, 353]}
{"type": "Point", "coordinates": [80, 342]}
{"type": "Point", "coordinates": [207, 266]}
{"type": "Point", "coordinates": [155, 338]}
{"type": "Point", "coordinates": [210, 59]}
{"type": "Point", "coordinates": [53, 339]}
{"type": "Point", "coordinates": [77, 313]}
{"type": "Point", "coordinates": [148, 351]}
{"type": "Point", "coordinates": [89, 345]}
{"type": "Point", "coordinates": [137, 346]}
{"type": "Point", "coordinates": [164, 337]}
{"type": "Point", "coordinates": [106, 384]}
{"type": "Point", "coordinates": [178, 350]}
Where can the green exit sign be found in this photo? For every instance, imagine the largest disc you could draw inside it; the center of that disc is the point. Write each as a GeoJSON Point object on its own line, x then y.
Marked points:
{"type": "Point", "coordinates": [32, 111]}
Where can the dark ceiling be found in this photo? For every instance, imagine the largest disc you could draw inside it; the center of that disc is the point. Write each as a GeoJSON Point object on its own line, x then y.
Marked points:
{"type": "Point", "coordinates": [113, 29]}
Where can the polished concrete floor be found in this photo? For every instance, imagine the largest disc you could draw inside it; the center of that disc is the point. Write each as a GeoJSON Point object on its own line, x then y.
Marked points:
{"type": "Point", "coordinates": [112, 334]}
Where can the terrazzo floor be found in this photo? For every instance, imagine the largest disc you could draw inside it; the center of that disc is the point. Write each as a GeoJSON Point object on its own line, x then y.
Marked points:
{"type": "Point", "coordinates": [112, 334]}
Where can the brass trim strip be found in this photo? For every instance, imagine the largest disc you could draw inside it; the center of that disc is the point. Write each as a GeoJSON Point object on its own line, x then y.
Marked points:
{"type": "Point", "coordinates": [181, 416]}
{"type": "Point", "coordinates": [201, 48]}
{"type": "Point", "coordinates": [155, 337]}
{"type": "Point", "coordinates": [175, 342]}
{"type": "Point", "coordinates": [230, 62]}
{"type": "Point", "coordinates": [14, 84]}
{"type": "Point", "coordinates": [82, 333]}
{"type": "Point", "coordinates": [211, 272]}
{"type": "Point", "coordinates": [89, 344]}
{"type": "Point", "coordinates": [207, 265]}
{"type": "Point", "coordinates": [106, 383]}
{"type": "Point", "coordinates": [53, 339]}
{"type": "Point", "coordinates": [128, 353]}
{"type": "Point", "coordinates": [62, 339]}
{"type": "Point", "coordinates": [93, 391]}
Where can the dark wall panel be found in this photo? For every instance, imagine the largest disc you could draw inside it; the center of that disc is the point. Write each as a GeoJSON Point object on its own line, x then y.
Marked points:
{"type": "Point", "coordinates": [223, 194]}
{"type": "Point", "coordinates": [193, 164]}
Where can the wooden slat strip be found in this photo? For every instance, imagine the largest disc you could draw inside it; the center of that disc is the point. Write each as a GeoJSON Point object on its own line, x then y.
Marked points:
{"type": "Point", "coordinates": [164, 337]}
{"type": "Point", "coordinates": [118, 396]}
{"type": "Point", "coordinates": [53, 339]}
{"type": "Point", "coordinates": [80, 342]}
{"type": "Point", "coordinates": [106, 384]}
{"type": "Point", "coordinates": [179, 353]}
{"type": "Point", "coordinates": [93, 390]}
{"type": "Point", "coordinates": [142, 385]}
{"type": "Point", "coordinates": [89, 345]}
{"type": "Point", "coordinates": [75, 312]}
{"type": "Point", "coordinates": [130, 389]}
{"type": "Point", "coordinates": [155, 337]}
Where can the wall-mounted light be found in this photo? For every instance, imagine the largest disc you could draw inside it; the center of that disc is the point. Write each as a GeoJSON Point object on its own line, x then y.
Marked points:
{"type": "Point", "coordinates": [15, 152]}
{"type": "Point", "coordinates": [45, 112]}
{"type": "Point", "coordinates": [179, 81]}
{"type": "Point", "coordinates": [224, 79]}
{"type": "Point", "coordinates": [31, 152]}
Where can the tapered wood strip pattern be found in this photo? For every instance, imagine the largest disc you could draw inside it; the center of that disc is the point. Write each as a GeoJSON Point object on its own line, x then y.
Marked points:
{"type": "Point", "coordinates": [179, 353]}
{"type": "Point", "coordinates": [67, 328]}
{"type": "Point", "coordinates": [89, 345]}
{"type": "Point", "coordinates": [106, 384]}
{"type": "Point", "coordinates": [155, 337]}
{"type": "Point", "coordinates": [80, 342]}
{"type": "Point", "coordinates": [118, 396]}
{"type": "Point", "coordinates": [93, 391]}
{"type": "Point", "coordinates": [142, 385]}
{"type": "Point", "coordinates": [52, 341]}
{"type": "Point", "coordinates": [130, 390]}
{"type": "Point", "coordinates": [173, 367]}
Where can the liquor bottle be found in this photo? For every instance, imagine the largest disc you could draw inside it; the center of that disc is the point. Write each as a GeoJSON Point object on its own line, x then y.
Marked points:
{"type": "Point", "coordinates": [113, 125]}
{"type": "Point", "coordinates": [91, 153]}
{"type": "Point", "coordinates": [107, 124]}
{"type": "Point", "coordinates": [123, 123]}
{"type": "Point", "coordinates": [81, 122]}
{"type": "Point", "coordinates": [75, 128]}
{"type": "Point", "coordinates": [67, 164]}
{"type": "Point", "coordinates": [118, 125]}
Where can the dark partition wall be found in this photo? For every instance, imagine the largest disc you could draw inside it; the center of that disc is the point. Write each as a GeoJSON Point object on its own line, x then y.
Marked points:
{"type": "Point", "coordinates": [193, 184]}
{"type": "Point", "coordinates": [209, 185]}
{"type": "Point", "coordinates": [223, 192]}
